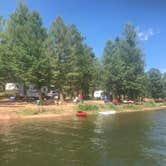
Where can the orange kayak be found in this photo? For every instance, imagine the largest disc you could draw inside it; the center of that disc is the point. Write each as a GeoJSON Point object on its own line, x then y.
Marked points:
{"type": "Point", "coordinates": [80, 113]}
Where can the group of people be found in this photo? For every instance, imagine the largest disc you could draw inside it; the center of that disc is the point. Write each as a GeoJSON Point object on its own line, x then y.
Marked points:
{"type": "Point", "coordinates": [78, 99]}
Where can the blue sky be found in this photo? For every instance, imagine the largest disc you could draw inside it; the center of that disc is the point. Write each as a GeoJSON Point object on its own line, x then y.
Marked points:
{"type": "Point", "coordinates": [100, 20]}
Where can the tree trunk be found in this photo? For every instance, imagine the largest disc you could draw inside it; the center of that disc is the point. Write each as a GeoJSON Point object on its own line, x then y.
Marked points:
{"type": "Point", "coordinates": [62, 98]}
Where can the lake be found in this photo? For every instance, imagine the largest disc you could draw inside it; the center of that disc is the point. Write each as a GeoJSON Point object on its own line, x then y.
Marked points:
{"type": "Point", "coordinates": [126, 139]}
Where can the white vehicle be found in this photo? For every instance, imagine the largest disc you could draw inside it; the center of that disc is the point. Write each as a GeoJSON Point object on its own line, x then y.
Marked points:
{"type": "Point", "coordinates": [18, 90]}
{"type": "Point", "coordinates": [14, 89]}
{"type": "Point", "coordinates": [98, 94]}
{"type": "Point", "coordinates": [53, 94]}
{"type": "Point", "coordinates": [11, 86]}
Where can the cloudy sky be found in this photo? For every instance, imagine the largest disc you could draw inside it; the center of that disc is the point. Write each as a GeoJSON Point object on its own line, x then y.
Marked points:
{"type": "Point", "coordinates": [100, 20]}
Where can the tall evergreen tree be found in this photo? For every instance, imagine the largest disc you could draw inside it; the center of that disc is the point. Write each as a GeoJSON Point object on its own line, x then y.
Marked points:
{"type": "Point", "coordinates": [97, 71]}
{"type": "Point", "coordinates": [6, 58]}
{"type": "Point", "coordinates": [2, 72]}
{"type": "Point", "coordinates": [124, 66]}
{"type": "Point", "coordinates": [164, 85]}
{"type": "Point", "coordinates": [155, 83]}
{"type": "Point", "coordinates": [134, 64]}
{"type": "Point", "coordinates": [24, 40]}
{"type": "Point", "coordinates": [86, 69]}
{"type": "Point", "coordinates": [58, 48]}
{"type": "Point", "coordinates": [113, 68]}
{"type": "Point", "coordinates": [70, 58]}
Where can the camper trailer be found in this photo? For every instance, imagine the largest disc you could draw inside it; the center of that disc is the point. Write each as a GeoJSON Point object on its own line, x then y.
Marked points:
{"type": "Point", "coordinates": [14, 89]}
{"type": "Point", "coordinates": [18, 90]}
{"type": "Point", "coordinates": [31, 91]}
{"type": "Point", "coordinates": [98, 94]}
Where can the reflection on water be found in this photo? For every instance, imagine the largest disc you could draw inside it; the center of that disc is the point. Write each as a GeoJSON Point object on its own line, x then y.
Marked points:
{"type": "Point", "coordinates": [129, 139]}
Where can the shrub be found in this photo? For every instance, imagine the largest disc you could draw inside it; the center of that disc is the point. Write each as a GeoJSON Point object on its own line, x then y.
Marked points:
{"type": "Point", "coordinates": [132, 107]}
{"type": "Point", "coordinates": [150, 104]}
{"type": "Point", "coordinates": [87, 107]}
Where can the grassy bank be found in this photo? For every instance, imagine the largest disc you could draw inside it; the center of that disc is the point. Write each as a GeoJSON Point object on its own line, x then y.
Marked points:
{"type": "Point", "coordinates": [37, 110]}
{"type": "Point", "coordinates": [91, 107]}
{"type": "Point", "coordinates": [119, 108]}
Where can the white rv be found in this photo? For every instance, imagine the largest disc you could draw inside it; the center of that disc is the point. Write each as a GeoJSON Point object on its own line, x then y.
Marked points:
{"type": "Point", "coordinates": [33, 92]}
{"type": "Point", "coordinates": [98, 94]}
{"type": "Point", "coordinates": [11, 86]}
{"type": "Point", "coordinates": [18, 90]}
{"type": "Point", "coordinates": [14, 89]}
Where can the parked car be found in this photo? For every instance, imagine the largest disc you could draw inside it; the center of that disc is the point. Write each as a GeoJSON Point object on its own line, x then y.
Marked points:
{"type": "Point", "coordinates": [128, 102]}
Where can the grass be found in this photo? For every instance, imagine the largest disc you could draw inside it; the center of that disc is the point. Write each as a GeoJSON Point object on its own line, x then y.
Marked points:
{"type": "Point", "coordinates": [97, 107]}
{"type": "Point", "coordinates": [150, 104]}
{"type": "Point", "coordinates": [38, 110]}
{"type": "Point", "coordinates": [87, 107]}
{"type": "Point", "coordinates": [28, 112]}
{"type": "Point", "coordinates": [110, 106]}
{"type": "Point", "coordinates": [94, 108]}
{"type": "Point", "coordinates": [132, 107]}
{"type": "Point", "coordinates": [121, 107]}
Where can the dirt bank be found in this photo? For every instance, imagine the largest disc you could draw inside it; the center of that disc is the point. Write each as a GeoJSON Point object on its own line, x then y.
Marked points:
{"type": "Point", "coordinates": [16, 110]}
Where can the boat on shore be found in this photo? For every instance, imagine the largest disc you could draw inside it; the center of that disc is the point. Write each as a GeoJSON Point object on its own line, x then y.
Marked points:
{"type": "Point", "coordinates": [81, 113]}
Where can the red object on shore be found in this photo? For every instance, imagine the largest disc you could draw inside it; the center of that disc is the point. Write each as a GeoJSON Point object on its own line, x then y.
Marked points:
{"type": "Point", "coordinates": [115, 101]}
{"type": "Point", "coordinates": [80, 113]}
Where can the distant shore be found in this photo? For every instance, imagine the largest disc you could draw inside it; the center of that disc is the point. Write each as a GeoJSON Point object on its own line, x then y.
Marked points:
{"type": "Point", "coordinates": [24, 110]}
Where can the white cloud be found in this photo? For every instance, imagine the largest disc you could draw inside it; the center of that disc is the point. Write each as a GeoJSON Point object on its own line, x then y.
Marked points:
{"type": "Point", "coordinates": [163, 70]}
{"type": "Point", "coordinates": [145, 35]}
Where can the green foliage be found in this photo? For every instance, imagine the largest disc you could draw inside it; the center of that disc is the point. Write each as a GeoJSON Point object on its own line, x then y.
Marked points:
{"type": "Point", "coordinates": [22, 49]}
{"type": "Point", "coordinates": [87, 107]}
{"type": "Point", "coordinates": [150, 104]}
{"type": "Point", "coordinates": [4, 59]}
{"type": "Point", "coordinates": [110, 106]}
{"type": "Point", "coordinates": [132, 107]}
{"type": "Point", "coordinates": [123, 107]}
{"type": "Point", "coordinates": [25, 35]}
{"type": "Point", "coordinates": [164, 85]}
{"type": "Point", "coordinates": [38, 110]}
{"type": "Point", "coordinates": [155, 83]}
{"type": "Point", "coordinates": [124, 66]}
{"type": "Point", "coordinates": [71, 60]}
{"type": "Point", "coordinates": [97, 76]}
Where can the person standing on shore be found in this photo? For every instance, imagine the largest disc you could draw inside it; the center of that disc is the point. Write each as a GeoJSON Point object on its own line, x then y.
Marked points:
{"type": "Point", "coordinates": [80, 98]}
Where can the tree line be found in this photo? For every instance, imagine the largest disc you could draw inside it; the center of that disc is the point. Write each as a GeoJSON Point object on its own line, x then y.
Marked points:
{"type": "Point", "coordinates": [32, 54]}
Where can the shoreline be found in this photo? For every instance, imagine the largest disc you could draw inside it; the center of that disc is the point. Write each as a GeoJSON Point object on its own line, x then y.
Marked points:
{"type": "Point", "coordinates": [39, 116]}
{"type": "Point", "coordinates": [144, 110]}
{"type": "Point", "coordinates": [11, 111]}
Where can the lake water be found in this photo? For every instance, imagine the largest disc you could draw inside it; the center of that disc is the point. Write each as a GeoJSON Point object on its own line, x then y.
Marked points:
{"type": "Point", "coordinates": [127, 139]}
